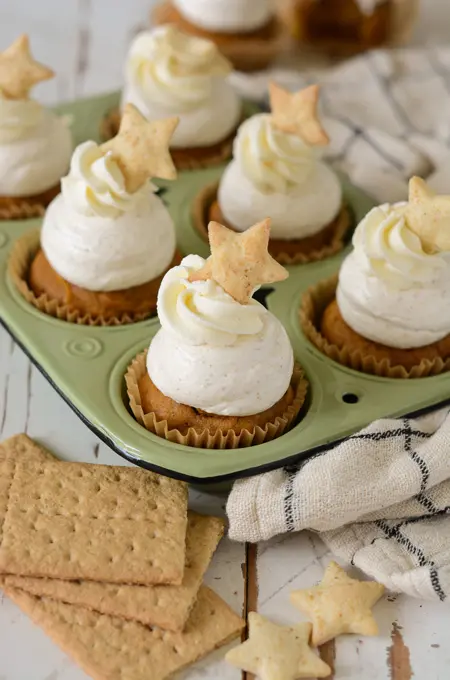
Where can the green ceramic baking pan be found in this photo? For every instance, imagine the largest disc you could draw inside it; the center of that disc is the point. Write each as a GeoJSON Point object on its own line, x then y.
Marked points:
{"type": "Point", "coordinates": [87, 365]}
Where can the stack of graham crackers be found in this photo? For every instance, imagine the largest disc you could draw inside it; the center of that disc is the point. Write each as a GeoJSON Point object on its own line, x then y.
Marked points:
{"type": "Point", "coordinates": [110, 563]}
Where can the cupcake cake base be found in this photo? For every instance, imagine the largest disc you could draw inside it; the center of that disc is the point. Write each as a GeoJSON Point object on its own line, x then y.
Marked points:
{"type": "Point", "coordinates": [249, 51]}
{"type": "Point", "coordinates": [189, 426]}
{"type": "Point", "coordinates": [24, 207]}
{"type": "Point", "coordinates": [326, 242]}
{"type": "Point", "coordinates": [191, 158]}
{"type": "Point", "coordinates": [324, 326]}
{"type": "Point", "coordinates": [42, 287]}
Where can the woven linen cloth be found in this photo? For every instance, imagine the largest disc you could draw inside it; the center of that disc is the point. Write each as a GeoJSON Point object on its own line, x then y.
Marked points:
{"type": "Point", "coordinates": [387, 113]}
{"type": "Point", "coordinates": [380, 500]}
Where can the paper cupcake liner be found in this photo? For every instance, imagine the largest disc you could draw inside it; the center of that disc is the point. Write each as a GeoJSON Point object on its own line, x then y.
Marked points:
{"type": "Point", "coordinates": [27, 207]}
{"type": "Point", "coordinates": [252, 51]}
{"type": "Point", "coordinates": [21, 257]}
{"type": "Point", "coordinates": [313, 305]}
{"type": "Point", "coordinates": [341, 224]}
{"type": "Point", "coordinates": [200, 158]}
{"type": "Point", "coordinates": [203, 439]}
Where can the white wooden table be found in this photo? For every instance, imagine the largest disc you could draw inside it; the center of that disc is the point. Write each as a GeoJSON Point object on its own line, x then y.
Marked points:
{"type": "Point", "coordinates": [85, 41]}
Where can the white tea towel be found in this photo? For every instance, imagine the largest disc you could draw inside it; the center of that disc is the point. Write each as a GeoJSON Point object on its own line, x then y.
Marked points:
{"type": "Point", "coordinates": [380, 501]}
{"type": "Point", "coordinates": [387, 113]}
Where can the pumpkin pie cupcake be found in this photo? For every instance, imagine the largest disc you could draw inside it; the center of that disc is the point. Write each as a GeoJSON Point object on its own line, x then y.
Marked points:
{"type": "Point", "coordinates": [247, 32]}
{"type": "Point", "coordinates": [220, 372]}
{"type": "Point", "coordinates": [107, 239]}
{"type": "Point", "coordinates": [168, 74]}
{"type": "Point", "coordinates": [388, 312]}
{"type": "Point", "coordinates": [277, 170]}
{"type": "Point", "coordinates": [35, 144]}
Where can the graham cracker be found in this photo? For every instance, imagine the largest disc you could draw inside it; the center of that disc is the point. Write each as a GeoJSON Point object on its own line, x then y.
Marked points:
{"type": "Point", "coordinates": [110, 648]}
{"type": "Point", "coordinates": [165, 606]}
{"type": "Point", "coordinates": [94, 522]}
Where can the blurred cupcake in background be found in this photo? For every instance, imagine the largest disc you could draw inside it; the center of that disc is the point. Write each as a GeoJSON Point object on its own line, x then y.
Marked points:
{"type": "Point", "coordinates": [169, 73]}
{"type": "Point", "coordinates": [35, 143]}
{"type": "Point", "coordinates": [277, 170]}
{"type": "Point", "coordinates": [247, 32]}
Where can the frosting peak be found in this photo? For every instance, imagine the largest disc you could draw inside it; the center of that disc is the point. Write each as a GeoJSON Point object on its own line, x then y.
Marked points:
{"type": "Point", "coordinates": [273, 160]}
{"type": "Point", "coordinates": [173, 69]}
{"type": "Point", "coordinates": [200, 312]}
{"type": "Point", "coordinates": [96, 184]}
{"type": "Point", "coordinates": [18, 118]}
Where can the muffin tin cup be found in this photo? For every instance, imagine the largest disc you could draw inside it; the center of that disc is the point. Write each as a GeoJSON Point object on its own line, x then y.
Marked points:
{"type": "Point", "coordinates": [220, 439]}
{"type": "Point", "coordinates": [313, 304]}
{"type": "Point", "coordinates": [87, 364]}
{"type": "Point", "coordinates": [341, 225]}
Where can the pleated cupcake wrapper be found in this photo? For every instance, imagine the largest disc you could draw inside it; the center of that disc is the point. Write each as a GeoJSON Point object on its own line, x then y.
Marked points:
{"type": "Point", "coordinates": [20, 209]}
{"type": "Point", "coordinates": [203, 439]}
{"type": "Point", "coordinates": [110, 126]}
{"type": "Point", "coordinates": [313, 305]}
{"type": "Point", "coordinates": [208, 195]}
{"type": "Point", "coordinates": [19, 263]}
{"type": "Point", "coordinates": [252, 54]}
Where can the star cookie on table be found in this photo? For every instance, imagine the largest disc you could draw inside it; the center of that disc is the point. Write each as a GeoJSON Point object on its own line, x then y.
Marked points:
{"type": "Point", "coordinates": [296, 113]}
{"type": "Point", "coordinates": [339, 604]}
{"type": "Point", "coordinates": [240, 261]}
{"type": "Point", "coordinates": [141, 148]}
{"type": "Point", "coordinates": [19, 71]}
{"type": "Point", "coordinates": [428, 216]}
{"type": "Point", "coordinates": [277, 652]}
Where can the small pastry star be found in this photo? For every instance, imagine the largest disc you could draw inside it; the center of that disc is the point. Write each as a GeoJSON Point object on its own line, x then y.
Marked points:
{"type": "Point", "coordinates": [428, 216]}
{"type": "Point", "coordinates": [19, 71]}
{"type": "Point", "coordinates": [296, 113]}
{"type": "Point", "coordinates": [277, 652]}
{"type": "Point", "coordinates": [339, 604]}
{"type": "Point", "coordinates": [141, 148]}
{"type": "Point", "coordinates": [240, 262]}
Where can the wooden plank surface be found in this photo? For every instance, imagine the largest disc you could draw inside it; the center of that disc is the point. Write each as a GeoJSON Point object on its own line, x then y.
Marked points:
{"type": "Point", "coordinates": [85, 41]}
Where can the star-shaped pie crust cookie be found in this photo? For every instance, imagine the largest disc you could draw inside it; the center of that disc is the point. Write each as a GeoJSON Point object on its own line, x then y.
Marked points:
{"type": "Point", "coordinates": [339, 604]}
{"type": "Point", "coordinates": [428, 216]}
{"type": "Point", "coordinates": [277, 652]}
{"type": "Point", "coordinates": [296, 113]}
{"type": "Point", "coordinates": [141, 148]}
{"type": "Point", "coordinates": [240, 261]}
{"type": "Point", "coordinates": [19, 71]}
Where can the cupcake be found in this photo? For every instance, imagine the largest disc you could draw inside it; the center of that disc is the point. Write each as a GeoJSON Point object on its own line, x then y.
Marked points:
{"type": "Point", "coordinates": [35, 144]}
{"type": "Point", "coordinates": [246, 31]}
{"type": "Point", "coordinates": [107, 239]}
{"type": "Point", "coordinates": [220, 372]}
{"type": "Point", "coordinates": [350, 25]}
{"type": "Point", "coordinates": [277, 170]}
{"type": "Point", "coordinates": [171, 74]}
{"type": "Point", "coordinates": [389, 311]}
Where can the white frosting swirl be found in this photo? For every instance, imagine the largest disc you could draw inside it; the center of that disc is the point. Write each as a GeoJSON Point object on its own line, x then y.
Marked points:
{"type": "Point", "coordinates": [35, 148]}
{"type": "Point", "coordinates": [170, 74]}
{"type": "Point", "coordinates": [227, 16]}
{"type": "Point", "coordinates": [96, 184]}
{"type": "Point", "coordinates": [212, 352]}
{"type": "Point", "coordinates": [277, 174]}
{"type": "Point", "coordinates": [390, 290]}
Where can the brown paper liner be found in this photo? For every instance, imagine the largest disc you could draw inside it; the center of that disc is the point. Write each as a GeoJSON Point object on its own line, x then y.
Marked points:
{"type": "Point", "coordinates": [203, 438]}
{"type": "Point", "coordinates": [193, 158]}
{"type": "Point", "coordinates": [313, 305]}
{"type": "Point", "coordinates": [26, 207]}
{"type": "Point", "coordinates": [251, 51]}
{"type": "Point", "coordinates": [391, 23]}
{"type": "Point", "coordinates": [21, 257]}
{"type": "Point", "coordinates": [299, 251]}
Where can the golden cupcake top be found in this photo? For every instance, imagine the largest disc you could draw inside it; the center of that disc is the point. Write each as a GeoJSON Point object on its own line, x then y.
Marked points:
{"type": "Point", "coordinates": [428, 216]}
{"type": "Point", "coordinates": [19, 72]}
{"type": "Point", "coordinates": [141, 148]}
{"type": "Point", "coordinates": [240, 262]}
{"type": "Point", "coordinates": [296, 113]}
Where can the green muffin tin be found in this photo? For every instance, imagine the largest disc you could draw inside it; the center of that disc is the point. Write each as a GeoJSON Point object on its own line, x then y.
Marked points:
{"type": "Point", "coordinates": [87, 364]}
